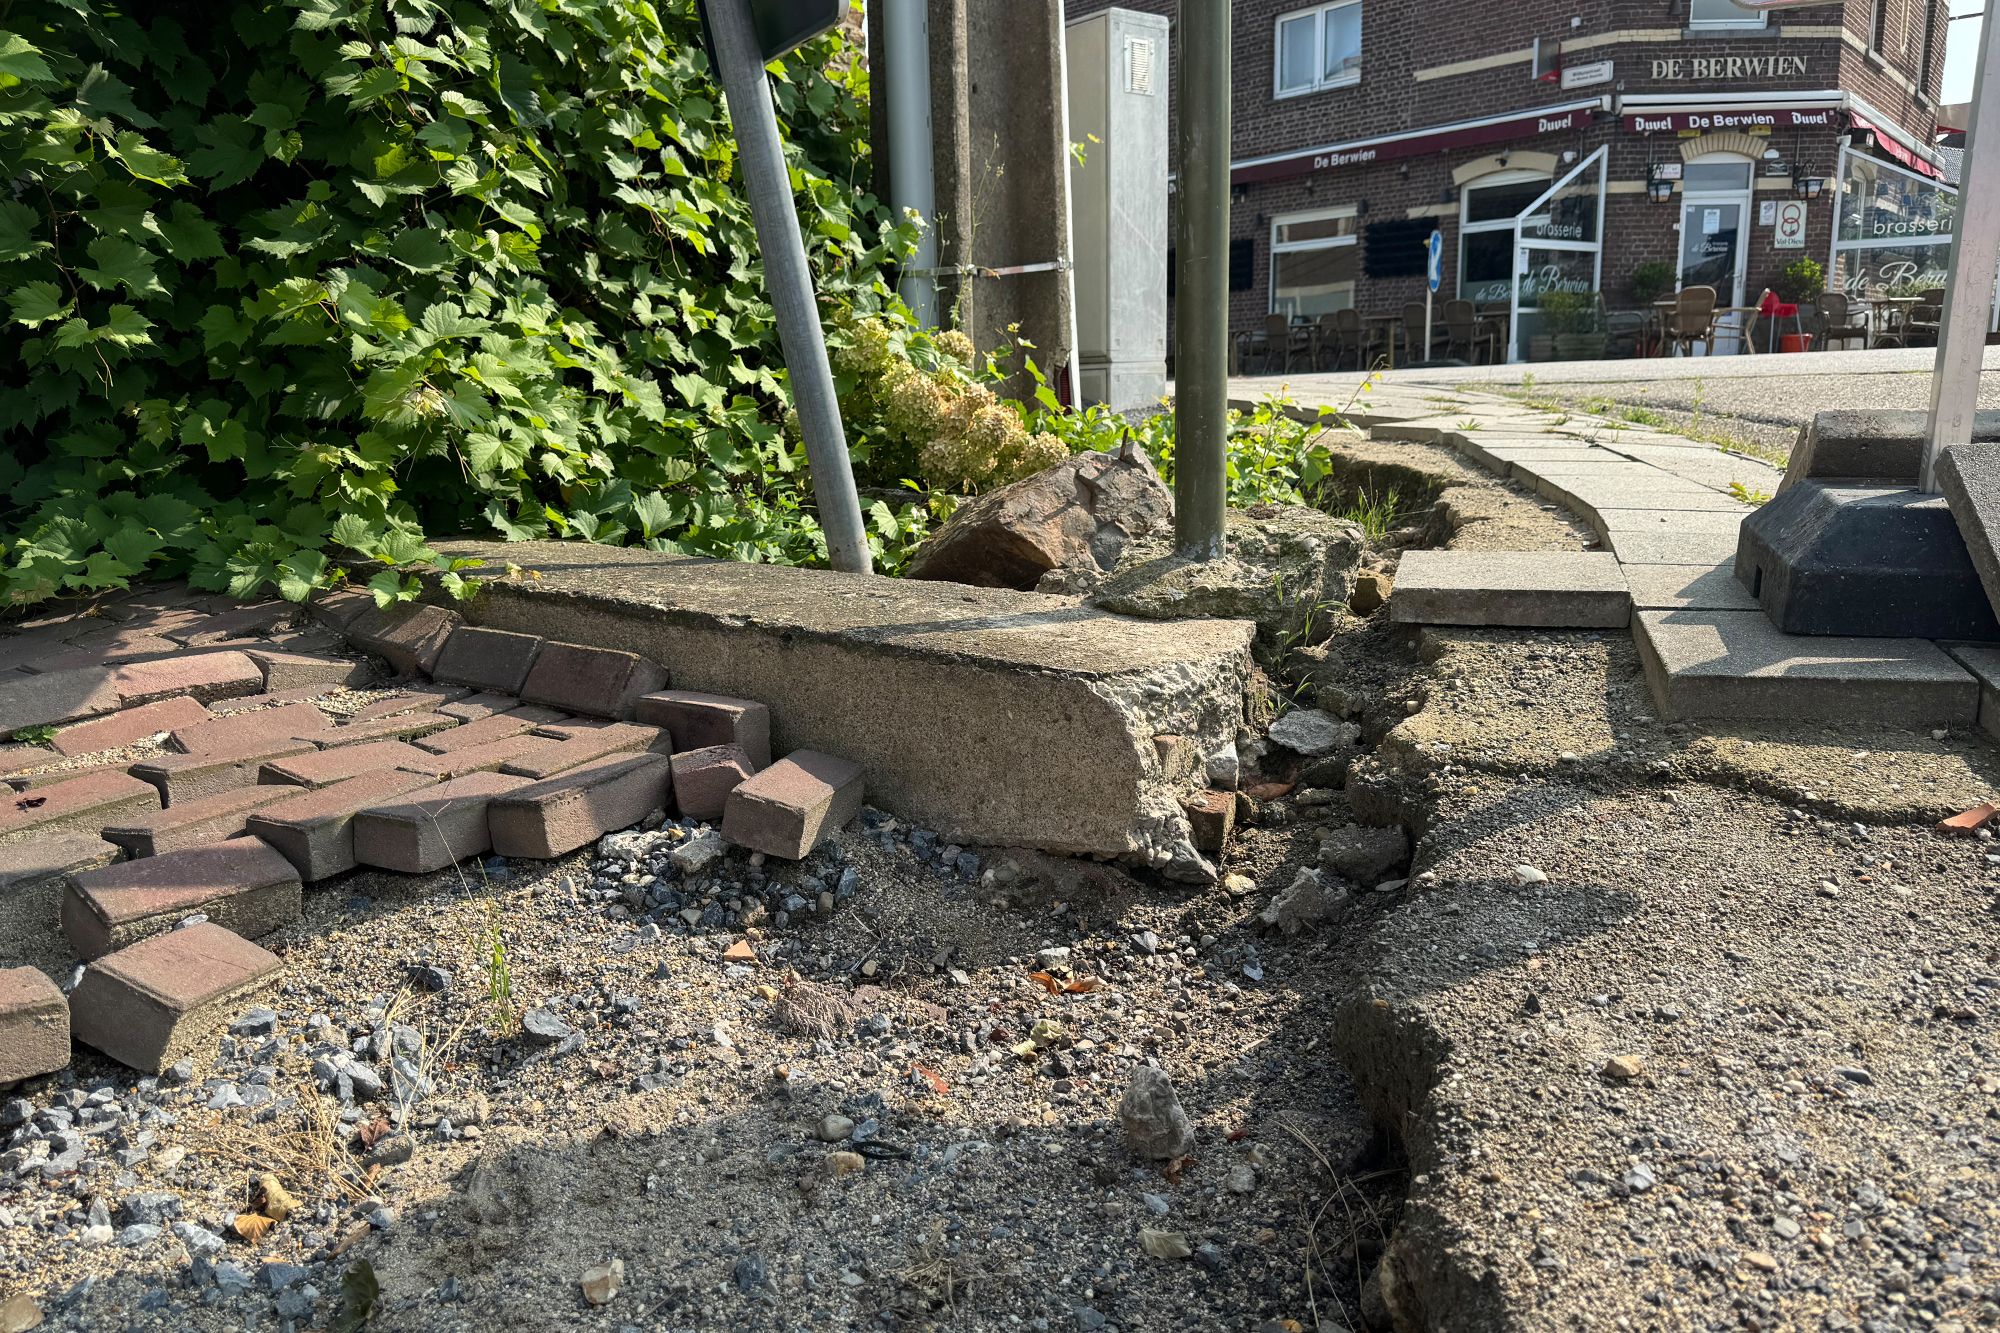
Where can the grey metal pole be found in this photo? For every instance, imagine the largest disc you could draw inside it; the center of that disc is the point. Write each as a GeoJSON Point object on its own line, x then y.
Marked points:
{"type": "Point", "coordinates": [789, 282]}
{"type": "Point", "coordinates": [1975, 262]}
{"type": "Point", "coordinates": [906, 80]}
{"type": "Point", "coordinates": [1201, 295]}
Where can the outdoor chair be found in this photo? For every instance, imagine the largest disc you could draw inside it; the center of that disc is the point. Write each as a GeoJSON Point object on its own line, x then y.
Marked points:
{"type": "Point", "coordinates": [1464, 329]}
{"type": "Point", "coordinates": [1692, 320]}
{"type": "Point", "coordinates": [1627, 332]}
{"type": "Point", "coordinates": [1926, 318]}
{"type": "Point", "coordinates": [1413, 332]}
{"type": "Point", "coordinates": [1328, 336]}
{"type": "Point", "coordinates": [1836, 322]}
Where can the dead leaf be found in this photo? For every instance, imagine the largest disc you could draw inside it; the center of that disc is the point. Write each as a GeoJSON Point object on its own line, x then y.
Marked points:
{"type": "Point", "coordinates": [1172, 1170]}
{"type": "Point", "coordinates": [1000, 1036]}
{"type": "Point", "coordinates": [845, 1163]}
{"type": "Point", "coordinates": [355, 1236]}
{"type": "Point", "coordinates": [1027, 1050]}
{"type": "Point", "coordinates": [1164, 1244]}
{"type": "Point", "coordinates": [1082, 985]}
{"type": "Point", "coordinates": [271, 1199]}
{"type": "Point", "coordinates": [253, 1227]}
{"type": "Point", "coordinates": [1237, 1135]}
{"type": "Point", "coordinates": [31, 803]}
{"type": "Point", "coordinates": [374, 1174]}
{"type": "Point", "coordinates": [372, 1132]}
{"type": "Point", "coordinates": [932, 1077]}
{"type": "Point", "coordinates": [1047, 982]}
{"type": "Point", "coordinates": [1291, 1326]}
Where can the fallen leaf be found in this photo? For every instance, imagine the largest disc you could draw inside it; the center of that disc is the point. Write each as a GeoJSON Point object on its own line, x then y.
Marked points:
{"type": "Point", "coordinates": [31, 803]}
{"type": "Point", "coordinates": [1026, 1050]}
{"type": "Point", "coordinates": [932, 1077]}
{"type": "Point", "coordinates": [271, 1199]}
{"type": "Point", "coordinates": [1164, 1244]}
{"type": "Point", "coordinates": [1237, 1135]}
{"type": "Point", "coordinates": [373, 1132]}
{"type": "Point", "coordinates": [1291, 1326]}
{"type": "Point", "coordinates": [374, 1174]}
{"type": "Point", "coordinates": [1000, 1036]}
{"type": "Point", "coordinates": [1047, 982]}
{"type": "Point", "coordinates": [358, 1293]}
{"type": "Point", "coordinates": [1082, 985]}
{"type": "Point", "coordinates": [253, 1227]}
{"type": "Point", "coordinates": [1172, 1170]}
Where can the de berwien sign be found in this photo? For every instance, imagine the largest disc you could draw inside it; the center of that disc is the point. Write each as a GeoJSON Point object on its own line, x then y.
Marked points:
{"type": "Point", "coordinates": [1408, 145]}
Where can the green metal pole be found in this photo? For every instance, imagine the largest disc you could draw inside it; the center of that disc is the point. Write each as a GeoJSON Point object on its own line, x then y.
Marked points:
{"type": "Point", "coordinates": [1201, 286]}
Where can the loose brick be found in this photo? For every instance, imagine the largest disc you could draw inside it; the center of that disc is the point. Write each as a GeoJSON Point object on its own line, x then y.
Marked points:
{"type": "Point", "coordinates": [340, 609]}
{"type": "Point", "coordinates": [416, 699]}
{"type": "Point", "coordinates": [697, 721]}
{"type": "Point", "coordinates": [789, 807]}
{"type": "Point", "coordinates": [203, 676]}
{"type": "Point", "coordinates": [704, 778]}
{"type": "Point", "coordinates": [432, 828]}
{"type": "Point", "coordinates": [618, 738]}
{"type": "Point", "coordinates": [288, 671]}
{"type": "Point", "coordinates": [74, 804]}
{"type": "Point", "coordinates": [48, 776]}
{"type": "Point", "coordinates": [541, 715]}
{"type": "Point", "coordinates": [190, 777]}
{"type": "Point", "coordinates": [496, 728]}
{"type": "Point", "coordinates": [316, 831]}
{"type": "Point", "coordinates": [224, 707]}
{"type": "Point", "coordinates": [408, 726]}
{"type": "Point", "coordinates": [600, 682]}
{"type": "Point", "coordinates": [572, 727]}
{"type": "Point", "coordinates": [34, 1026]}
{"type": "Point", "coordinates": [490, 756]}
{"type": "Point", "coordinates": [235, 623]}
{"type": "Point", "coordinates": [28, 865]}
{"type": "Point", "coordinates": [57, 696]}
{"type": "Point", "coordinates": [266, 726]}
{"type": "Point", "coordinates": [148, 1005]}
{"type": "Point", "coordinates": [549, 819]}
{"type": "Point", "coordinates": [132, 724]}
{"type": "Point", "coordinates": [481, 705]}
{"type": "Point", "coordinates": [132, 642]}
{"type": "Point", "coordinates": [1211, 816]}
{"type": "Point", "coordinates": [490, 659]}
{"type": "Point", "coordinates": [240, 885]}
{"type": "Point", "coordinates": [208, 819]}
{"type": "Point", "coordinates": [409, 637]}
{"type": "Point", "coordinates": [323, 768]}
{"type": "Point", "coordinates": [71, 659]}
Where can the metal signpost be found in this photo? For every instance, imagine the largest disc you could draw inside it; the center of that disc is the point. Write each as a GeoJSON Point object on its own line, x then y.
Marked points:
{"type": "Point", "coordinates": [1201, 328]}
{"type": "Point", "coordinates": [743, 35]}
{"type": "Point", "coordinates": [1433, 279]}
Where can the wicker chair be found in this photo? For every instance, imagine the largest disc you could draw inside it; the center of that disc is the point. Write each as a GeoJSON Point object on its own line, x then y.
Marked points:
{"type": "Point", "coordinates": [1836, 322]}
{"type": "Point", "coordinates": [1692, 320]}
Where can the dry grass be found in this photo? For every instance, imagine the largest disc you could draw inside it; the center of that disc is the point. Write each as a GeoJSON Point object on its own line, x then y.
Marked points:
{"type": "Point", "coordinates": [306, 1155]}
{"type": "Point", "coordinates": [1334, 1232]}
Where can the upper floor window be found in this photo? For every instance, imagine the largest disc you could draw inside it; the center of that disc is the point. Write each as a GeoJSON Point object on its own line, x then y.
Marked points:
{"type": "Point", "coordinates": [1319, 48]}
{"type": "Point", "coordinates": [1723, 14]}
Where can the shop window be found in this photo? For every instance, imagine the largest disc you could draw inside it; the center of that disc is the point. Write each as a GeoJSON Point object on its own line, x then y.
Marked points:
{"type": "Point", "coordinates": [1725, 14]}
{"type": "Point", "coordinates": [1314, 261]}
{"type": "Point", "coordinates": [1709, 177]}
{"type": "Point", "coordinates": [1930, 48]}
{"type": "Point", "coordinates": [1878, 23]}
{"type": "Point", "coordinates": [1486, 232]}
{"type": "Point", "coordinates": [1319, 48]}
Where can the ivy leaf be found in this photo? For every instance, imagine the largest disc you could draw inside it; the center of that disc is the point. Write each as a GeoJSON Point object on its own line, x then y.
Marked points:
{"type": "Point", "coordinates": [191, 236]}
{"type": "Point", "coordinates": [22, 61]}
{"type": "Point", "coordinates": [420, 251]}
{"type": "Point", "coordinates": [231, 151]}
{"type": "Point", "coordinates": [389, 590]}
{"type": "Point", "coordinates": [655, 515]}
{"type": "Point", "coordinates": [101, 94]}
{"type": "Point", "coordinates": [299, 573]}
{"type": "Point", "coordinates": [147, 163]}
{"type": "Point", "coordinates": [37, 303]}
{"type": "Point", "coordinates": [377, 83]}
{"type": "Point", "coordinates": [125, 327]}
{"type": "Point", "coordinates": [17, 231]}
{"type": "Point", "coordinates": [534, 529]}
{"type": "Point", "coordinates": [121, 262]}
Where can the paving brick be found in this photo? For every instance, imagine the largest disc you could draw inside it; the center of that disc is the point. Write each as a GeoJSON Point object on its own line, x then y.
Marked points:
{"type": "Point", "coordinates": [193, 823]}
{"type": "Point", "coordinates": [49, 776]}
{"type": "Point", "coordinates": [541, 715]}
{"type": "Point", "coordinates": [599, 682]}
{"type": "Point", "coordinates": [148, 1005]}
{"type": "Point", "coordinates": [572, 727]}
{"type": "Point", "coordinates": [34, 1026]}
{"type": "Point", "coordinates": [266, 726]}
{"type": "Point", "coordinates": [74, 804]}
{"type": "Point", "coordinates": [26, 645]}
{"type": "Point", "coordinates": [288, 671]}
{"type": "Point", "coordinates": [241, 885]}
{"type": "Point", "coordinates": [496, 728]}
{"type": "Point", "coordinates": [416, 699]}
{"type": "Point", "coordinates": [432, 828]}
{"type": "Point", "coordinates": [71, 659]}
{"type": "Point", "coordinates": [122, 728]}
{"type": "Point", "coordinates": [27, 865]}
{"type": "Point", "coordinates": [323, 768]}
{"type": "Point", "coordinates": [181, 778]}
{"type": "Point", "coordinates": [1581, 589]}
{"type": "Point", "coordinates": [480, 705]}
{"type": "Point", "coordinates": [203, 676]}
{"type": "Point", "coordinates": [406, 726]}
{"type": "Point", "coordinates": [490, 756]}
{"type": "Point", "coordinates": [409, 637]}
{"type": "Point", "coordinates": [697, 721]}
{"type": "Point", "coordinates": [1687, 588]}
{"type": "Point", "coordinates": [490, 659]}
{"type": "Point", "coordinates": [704, 778]}
{"type": "Point", "coordinates": [618, 738]}
{"type": "Point", "coordinates": [316, 831]}
{"type": "Point", "coordinates": [551, 818]}
{"type": "Point", "coordinates": [236, 623]}
{"type": "Point", "coordinates": [787, 809]}
{"type": "Point", "coordinates": [57, 696]}
{"type": "Point", "coordinates": [339, 609]}
{"type": "Point", "coordinates": [1737, 665]}
{"type": "Point", "coordinates": [250, 701]}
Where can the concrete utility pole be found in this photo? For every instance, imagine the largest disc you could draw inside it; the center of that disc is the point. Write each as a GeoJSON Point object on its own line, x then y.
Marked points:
{"type": "Point", "coordinates": [905, 72]}
{"type": "Point", "coordinates": [1975, 262]}
{"type": "Point", "coordinates": [1201, 314]}
{"type": "Point", "coordinates": [789, 282]}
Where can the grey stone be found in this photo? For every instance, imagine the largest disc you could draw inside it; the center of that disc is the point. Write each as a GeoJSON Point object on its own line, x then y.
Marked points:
{"type": "Point", "coordinates": [200, 1242]}
{"type": "Point", "coordinates": [1155, 1124]}
{"type": "Point", "coordinates": [1311, 733]}
{"type": "Point", "coordinates": [751, 1273]}
{"type": "Point", "coordinates": [154, 1209]}
{"type": "Point", "coordinates": [1364, 855]}
{"type": "Point", "coordinates": [1735, 665]}
{"type": "Point", "coordinates": [258, 1022]}
{"type": "Point", "coordinates": [1078, 515]}
{"type": "Point", "coordinates": [542, 1028]}
{"type": "Point", "coordinates": [1572, 589]}
{"type": "Point", "coordinates": [1686, 588]}
{"type": "Point", "coordinates": [278, 1276]}
{"type": "Point", "coordinates": [1969, 476]}
{"type": "Point", "coordinates": [1282, 564]}
{"type": "Point", "coordinates": [921, 668]}
{"type": "Point", "coordinates": [1308, 901]}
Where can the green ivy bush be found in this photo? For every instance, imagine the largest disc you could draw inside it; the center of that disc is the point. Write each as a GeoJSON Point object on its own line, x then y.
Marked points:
{"type": "Point", "coordinates": [291, 277]}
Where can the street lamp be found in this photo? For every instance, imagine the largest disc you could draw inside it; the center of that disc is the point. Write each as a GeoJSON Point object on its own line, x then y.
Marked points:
{"type": "Point", "coordinates": [1807, 187]}
{"type": "Point", "coordinates": [1660, 192]}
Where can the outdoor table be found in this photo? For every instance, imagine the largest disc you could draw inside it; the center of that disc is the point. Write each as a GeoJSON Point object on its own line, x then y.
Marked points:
{"type": "Point", "coordinates": [1895, 316]}
{"type": "Point", "coordinates": [1664, 308]}
{"type": "Point", "coordinates": [1388, 324]}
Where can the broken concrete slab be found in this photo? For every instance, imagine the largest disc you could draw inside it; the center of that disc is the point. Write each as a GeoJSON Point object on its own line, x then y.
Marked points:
{"type": "Point", "coordinates": [240, 884]}
{"type": "Point", "coordinates": [1969, 476]}
{"type": "Point", "coordinates": [1734, 665]}
{"type": "Point", "coordinates": [908, 678]}
{"type": "Point", "coordinates": [1582, 589]}
{"type": "Point", "coordinates": [148, 1005]}
{"type": "Point", "coordinates": [1983, 661]}
{"type": "Point", "coordinates": [1687, 588]}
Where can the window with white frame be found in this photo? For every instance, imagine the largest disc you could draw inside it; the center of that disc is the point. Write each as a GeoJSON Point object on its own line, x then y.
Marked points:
{"type": "Point", "coordinates": [1315, 258]}
{"type": "Point", "coordinates": [1724, 14]}
{"type": "Point", "coordinates": [1319, 48]}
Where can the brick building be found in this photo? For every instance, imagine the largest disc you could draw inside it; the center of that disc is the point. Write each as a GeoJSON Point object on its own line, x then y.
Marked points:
{"type": "Point", "coordinates": [1560, 146]}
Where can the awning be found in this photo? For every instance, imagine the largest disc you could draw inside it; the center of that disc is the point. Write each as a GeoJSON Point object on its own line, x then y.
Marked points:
{"type": "Point", "coordinates": [1890, 145]}
{"type": "Point", "coordinates": [1441, 138]}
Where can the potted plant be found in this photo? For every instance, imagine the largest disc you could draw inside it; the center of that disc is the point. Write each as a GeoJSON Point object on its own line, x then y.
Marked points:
{"type": "Point", "coordinates": [1651, 281]}
{"type": "Point", "coordinates": [1571, 320]}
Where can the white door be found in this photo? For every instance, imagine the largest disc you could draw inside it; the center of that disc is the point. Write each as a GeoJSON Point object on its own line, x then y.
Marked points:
{"type": "Point", "coordinates": [1714, 244]}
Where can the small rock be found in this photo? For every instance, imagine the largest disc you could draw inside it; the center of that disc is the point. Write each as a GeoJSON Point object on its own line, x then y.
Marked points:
{"type": "Point", "coordinates": [698, 853]}
{"type": "Point", "coordinates": [1157, 1203]}
{"type": "Point", "coordinates": [1785, 1227]}
{"type": "Point", "coordinates": [835, 1129]}
{"type": "Point", "coordinates": [1640, 1179]}
{"type": "Point", "coordinates": [1623, 1067]}
{"type": "Point", "coordinates": [1760, 1260]}
{"type": "Point", "coordinates": [1828, 889]}
{"type": "Point", "coordinates": [1224, 768]}
{"type": "Point", "coordinates": [1363, 855]}
{"type": "Point", "coordinates": [751, 1273]}
{"type": "Point", "coordinates": [258, 1022]}
{"type": "Point", "coordinates": [542, 1028]}
{"type": "Point", "coordinates": [1242, 1179]}
{"type": "Point", "coordinates": [601, 1284]}
{"type": "Point", "coordinates": [1311, 733]}
{"type": "Point", "coordinates": [19, 1313]}
{"type": "Point", "coordinates": [1854, 1074]}
{"type": "Point", "coordinates": [1371, 591]}
{"type": "Point", "coordinates": [846, 1163]}
{"type": "Point", "coordinates": [1155, 1124]}
{"type": "Point", "coordinates": [1238, 886]}
{"type": "Point", "coordinates": [427, 977]}
{"type": "Point", "coordinates": [392, 1151]}
{"type": "Point", "coordinates": [1309, 901]}
{"type": "Point", "coordinates": [1525, 875]}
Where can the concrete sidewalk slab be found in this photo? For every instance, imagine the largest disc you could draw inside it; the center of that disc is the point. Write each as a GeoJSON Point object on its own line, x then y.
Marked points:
{"type": "Point", "coordinates": [1581, 589]}
{"type": "Point", "coordinates": [1983, 661]}
{"type": "Point", "coordinates": [1687, 588]}
{"type": "Point", "coordinates": [1734, 665]}
{"type": "Point", "coordinates": [1659, 521]}
{"type": "Point", "coordinates": [1969, 476]}
{"type": "Point", "coordinates": [1672, 548]}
